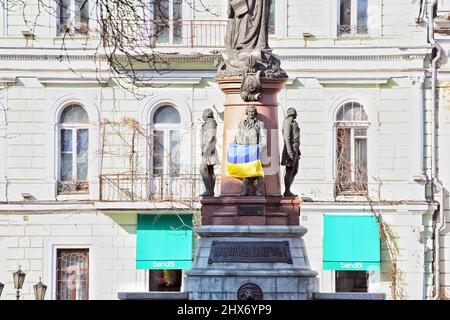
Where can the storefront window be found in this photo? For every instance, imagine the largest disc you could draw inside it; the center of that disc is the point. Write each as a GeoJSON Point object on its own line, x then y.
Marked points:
{"type": "Point", "coordinates": [165, 280]}
{"type": "Point", "coordinates": [351, 281]}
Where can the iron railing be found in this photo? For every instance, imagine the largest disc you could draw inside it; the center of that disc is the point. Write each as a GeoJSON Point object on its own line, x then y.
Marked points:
{"type": "Point", "coordinates": [166, 34]}
{"type": "Point", "coordinates": [346, 30]}
{"type": "Point", "coordinates": [152, 187]}
{"type": "Point", "coordinates": [78, 29]}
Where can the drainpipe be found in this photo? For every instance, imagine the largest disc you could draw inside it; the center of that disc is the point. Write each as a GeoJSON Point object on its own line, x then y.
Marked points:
{"type": "Point", "coordinates": [441, 224]}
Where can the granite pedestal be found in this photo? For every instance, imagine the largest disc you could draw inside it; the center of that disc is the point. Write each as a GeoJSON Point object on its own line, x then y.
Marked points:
{"type": "Point", "coordinates": [271, 257]}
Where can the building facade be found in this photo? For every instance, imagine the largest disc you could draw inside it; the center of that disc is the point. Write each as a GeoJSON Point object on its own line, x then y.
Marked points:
{"type": "Point", "coordinates": [90, 160]}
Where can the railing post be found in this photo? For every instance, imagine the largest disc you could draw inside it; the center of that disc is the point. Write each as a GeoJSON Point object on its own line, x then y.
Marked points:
{"type": "Point", "coordinates": [100, 193]}
{"type": "Point", "coordinates": [192, 33]}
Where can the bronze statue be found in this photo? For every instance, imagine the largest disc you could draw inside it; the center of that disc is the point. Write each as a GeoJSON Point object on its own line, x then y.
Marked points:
{"type": "Point", "coordinates": [247, 48]}
{"type": "Point", "coordinates": [248, 24]}
{"type": "Point", "coordinates": [291, 150]}
{"type": "Point", "coordinates": [209, 152]}
{"type": "Point", "coordinates": [252, 131]}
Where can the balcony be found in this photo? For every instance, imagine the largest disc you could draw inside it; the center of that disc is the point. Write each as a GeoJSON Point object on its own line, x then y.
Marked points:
{"type": "Point", "coordinates": [79, 29]}
{"type": "Point", "coordinates": [166, 34]}
{"type": "Point", "coordinates": [345, 30]}
{"type": "Point", "coordinates": [153, 187]}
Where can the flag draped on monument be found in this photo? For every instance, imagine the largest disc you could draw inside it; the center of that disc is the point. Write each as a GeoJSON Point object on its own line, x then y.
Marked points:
{"type": "Point", "coordinates": [243, 161]}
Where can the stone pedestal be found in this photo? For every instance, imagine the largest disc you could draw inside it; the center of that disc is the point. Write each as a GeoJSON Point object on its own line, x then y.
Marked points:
{"type": "Point", "coordinates": [271, 258]}
{"type": "Point", "coordinates": [267, 108]}
{"type": "Point", "coordinates": [230, 208]}
{"type": "Point", "coordinates": [233, 210]}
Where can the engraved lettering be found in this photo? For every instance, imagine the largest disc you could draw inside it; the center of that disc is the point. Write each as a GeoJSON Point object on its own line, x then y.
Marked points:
{"type": "Point", "coordinates": [273, 251]}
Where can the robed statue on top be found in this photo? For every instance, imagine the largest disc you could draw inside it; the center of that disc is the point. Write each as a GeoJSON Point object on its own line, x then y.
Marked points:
{"type": "Point", "coordinates": [248, 25]}
{"type": "Point", "coordinates": [247, 51]}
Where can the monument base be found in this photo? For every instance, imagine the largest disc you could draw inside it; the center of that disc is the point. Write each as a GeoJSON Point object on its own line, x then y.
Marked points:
{"type": "Point", "coordinates": [252, 262]}
{"type": "Point", "coordinates": [250, 210]}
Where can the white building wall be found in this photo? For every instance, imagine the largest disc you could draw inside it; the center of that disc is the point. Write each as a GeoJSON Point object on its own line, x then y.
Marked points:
{"type": "Point", "coordinates": [30, 240]}
{"type": "Point", "coordinates": [380, 71]}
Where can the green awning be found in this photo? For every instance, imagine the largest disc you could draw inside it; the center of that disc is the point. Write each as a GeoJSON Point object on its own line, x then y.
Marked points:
{"type": "Point", "coordinates": [351, 243]}
{"type": "Point", "coordinates": [164, 241]}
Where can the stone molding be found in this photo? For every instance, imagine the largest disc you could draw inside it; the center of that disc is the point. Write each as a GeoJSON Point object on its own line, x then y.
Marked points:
{"type": "Point", "coordinates": [212, 57]}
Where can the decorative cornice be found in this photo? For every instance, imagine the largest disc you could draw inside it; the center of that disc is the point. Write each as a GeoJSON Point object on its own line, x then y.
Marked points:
{"type": "Point", "coordinates": [354, 58]}
{"type": "Point", "coordinates": [355, 80]}
{"type": "Point", "coordinates": [211, 57]}
{"type": "Point", "coordinates": [45, 57]}
{"type": "Point", "coordinates": [74, 80]}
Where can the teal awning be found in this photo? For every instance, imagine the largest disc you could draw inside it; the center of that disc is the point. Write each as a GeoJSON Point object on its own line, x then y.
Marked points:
{"type": "Point", "coordinates": [164, 241]}
{"type": "Point", "coordinates": [351, 243]}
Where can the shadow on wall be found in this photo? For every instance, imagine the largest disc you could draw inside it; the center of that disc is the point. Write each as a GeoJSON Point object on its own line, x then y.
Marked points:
{"type": "Point", "coordinates": [126, 221]}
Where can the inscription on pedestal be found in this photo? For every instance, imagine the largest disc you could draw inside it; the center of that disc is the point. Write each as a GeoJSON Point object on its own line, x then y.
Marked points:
{"type": "Point", "coordinates": [250, 210]}
{"type": "Point", "coordinates": [250, 252]}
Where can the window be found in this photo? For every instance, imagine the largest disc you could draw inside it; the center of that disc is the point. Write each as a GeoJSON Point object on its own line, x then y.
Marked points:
{"type": "Point", "coordinates": [72, 274]}
{"type": "Point", "coordinates": [4, 18]}
{"type": "Point", "coordinates": [73, 17]}
{"type": "Point", "coordinates": [272, 17]}
{"type": "Point", "coordinates": [73, 150]}
{"type": "Point", "coordinates": [165, 280]}
{"type": "Point", "coordinates": [166, 141]}
{"type": "Point", "coordinates": [167, 18]}
{"type": "Point", "coordinates": [351, 139]}
{"type": "Point", "coordinates": [353, 17]}
{"type": "Point", "coordinates": [351, 281]}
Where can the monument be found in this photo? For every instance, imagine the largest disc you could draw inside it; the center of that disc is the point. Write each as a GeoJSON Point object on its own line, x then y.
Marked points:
{"type": "Point", "coordinates": [250, 241]}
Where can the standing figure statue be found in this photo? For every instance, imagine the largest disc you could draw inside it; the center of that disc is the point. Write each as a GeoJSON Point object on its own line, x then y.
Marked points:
{"type": "Point", "coordinates": [209, 152]}
{"type": "Point", "coordinates": [291, 150]}
{"type": "Point", "coordinates": [252, 132]}
{"type": "Point", "coordinates": [248, 24]}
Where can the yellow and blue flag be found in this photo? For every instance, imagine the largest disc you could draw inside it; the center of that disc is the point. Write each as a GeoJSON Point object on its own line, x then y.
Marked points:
{"type": "Point", "coordinates": [243, 161]}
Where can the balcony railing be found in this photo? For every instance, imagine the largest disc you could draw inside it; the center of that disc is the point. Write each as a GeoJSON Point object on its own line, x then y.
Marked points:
{"type": "Point", "coordinates": [345, 30]}
{"type": "Point", "coordinates": [152, 187]}
{"type": "Point", "coordinates": [79, 29]}
{"type": "Point", "coordinates": [166, 34]}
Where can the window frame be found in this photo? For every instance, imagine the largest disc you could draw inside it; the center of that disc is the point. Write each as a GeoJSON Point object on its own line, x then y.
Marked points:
{"type": "Point", "coordinates": [352, 125]}
{"type": "Point", "coordinates": [181, 289]}
{"type": "Point", "coordinates": [353, 21]}
{"type": "Point", "coordinates": [374, 18]}
{"type": "Point", "coordinates": [72, 28]}
{"type": "Point", "coordinates": [169, 24]}
{"type": "Point", "coordinates": [64, 244]}
{"type": "Point", "coordinates": [4, 18]}
{"type": "Point", "coordinates": [348, 272]}
{"type": "Point", "coordinates": [166, 128]}
{"type": "Point", "coordinates": [74, 127]}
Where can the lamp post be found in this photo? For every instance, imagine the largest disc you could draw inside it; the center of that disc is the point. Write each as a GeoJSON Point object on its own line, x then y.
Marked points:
{"type": "Point", "coordinates": [1, 288]}
{"type": "Point", "coordinates": [19, 278]}
{"type": "Point", "coordinates": [39, 290]}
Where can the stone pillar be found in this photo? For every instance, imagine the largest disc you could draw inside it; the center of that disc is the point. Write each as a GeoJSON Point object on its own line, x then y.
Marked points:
{"type": "Point", "coordinates": [267, 108]}
{"type": "Point", "coordinates": [230, 208]}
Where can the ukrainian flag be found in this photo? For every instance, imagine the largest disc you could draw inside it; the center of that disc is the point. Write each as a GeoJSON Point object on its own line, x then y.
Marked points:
{"type": "Point", "coordinates": [243, 161]}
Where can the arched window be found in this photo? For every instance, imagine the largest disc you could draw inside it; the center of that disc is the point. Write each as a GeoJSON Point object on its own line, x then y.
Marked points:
{"type": "Point", "coordinates": [166, 140]}
{"type": "Point", "coordinates": [73, 150]}
{"type": "Point", "coordinates": [351, 146]}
